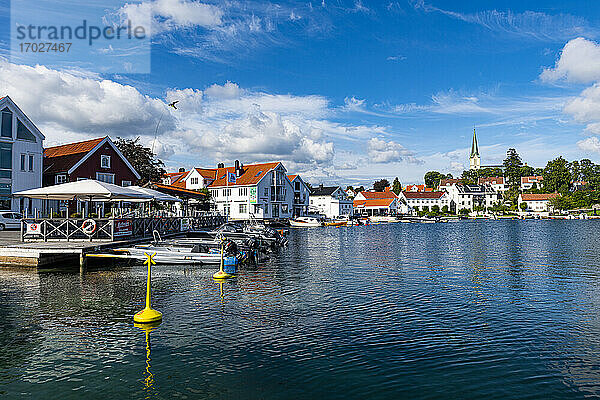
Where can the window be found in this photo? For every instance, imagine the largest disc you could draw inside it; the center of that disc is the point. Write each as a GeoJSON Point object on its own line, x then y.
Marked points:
{"type": "Point", "coordinates": [23, 157]}
{"type": "Point", "coordinates": [243, 191]}
{"type": "Point", "coordinates": [31, 163]}
{"type": "Point", "coordinates": [6, 123]}
{"type": "Point", "coordinates": [60, 179]}
{"type": "Point", "coordinates": [266, 191]}
{"type": "Point", "coordinates": [104, 161]}
{"type": "Point", "coordinates": [193, 181]}
{"type": "Point", "coordinates": [243, 208]}
{"type": "Point", "coordinates": [284, 208]}
{"type": "Point", "coordinates": [6, 156]}
{"type": "Point", "coordinates": [125, 183]}
{"type": "Point", "coordinates": [296, 185]}
{"type": "Point", "coordinates": [23, 132]}
{"type": "Point", "coordinates": [107, 178]}
{"type": "Point", "coordinates": [226, 192]}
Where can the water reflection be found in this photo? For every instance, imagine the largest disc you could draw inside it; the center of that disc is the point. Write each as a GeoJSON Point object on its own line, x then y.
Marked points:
{"type": "Point", "coordinates": [149, 385]}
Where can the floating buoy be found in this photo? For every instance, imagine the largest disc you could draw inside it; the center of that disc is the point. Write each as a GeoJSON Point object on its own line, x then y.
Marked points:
{"type": "Point", "coordinates": [148, 315]}
{"type": "Point", "coordinates": [220, 274]}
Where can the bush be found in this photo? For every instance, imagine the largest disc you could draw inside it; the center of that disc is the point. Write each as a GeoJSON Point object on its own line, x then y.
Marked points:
{"type": "Point", "coordinates": [76, 215]}
{"type": "Point", "coordinates": [464, 211]}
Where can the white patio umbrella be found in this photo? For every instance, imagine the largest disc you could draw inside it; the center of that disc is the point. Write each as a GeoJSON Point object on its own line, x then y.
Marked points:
{"type": "Point", "coordinates": [85, 190]}
{"type": "Point", "coordinates": [156, 195]}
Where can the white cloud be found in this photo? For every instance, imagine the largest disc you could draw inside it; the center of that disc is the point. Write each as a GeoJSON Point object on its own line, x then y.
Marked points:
{"type": "Point", "coordinates": [591, 144]}
{"type": "Point", "coordinates": [188, 100]}
{"type": "Point", "coordinates": [227, 91]}
{"type": "Point", "coordinates": [77, 103]}
{"type": "Point", "coordinates": [579, 61]}
{"type": "Point", "coordinates": [586, 107]}
{"type": "Point", "coordinates": [172, 14]}
{"type": "Point", "coordinates": [380, 151]}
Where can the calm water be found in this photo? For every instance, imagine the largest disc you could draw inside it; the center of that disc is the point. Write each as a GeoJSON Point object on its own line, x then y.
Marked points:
{"type": "Point", "coordinates": [498, 309]}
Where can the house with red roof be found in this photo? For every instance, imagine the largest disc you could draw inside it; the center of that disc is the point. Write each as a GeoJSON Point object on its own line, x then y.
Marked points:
{"type": "Point", "coordinates": [537, 203]}
{"type": "Point", "coordinates": [98, 159]}
{"type": "Point", "coordinates": [261, 191]}
{"type": "Point", "coordinates": [21, 148]}
{"type": "Point", "coordinates": [369, 203]}
{"type": "Point", "coordinates": [498, 183]}
{"type": "Point", "coordinates": [528, 182]}
{"type": "Point", "coordinates": [425, 201]}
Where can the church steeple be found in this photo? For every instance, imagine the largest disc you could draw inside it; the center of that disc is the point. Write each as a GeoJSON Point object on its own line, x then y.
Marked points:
{"type": "Point", "coordinates": [474, 159]}
{"type": "Point", "coordinates": [474, 147]}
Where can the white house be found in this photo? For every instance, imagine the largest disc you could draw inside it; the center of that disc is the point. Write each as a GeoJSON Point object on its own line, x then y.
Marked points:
{"type": "Point", "coordinates": [420, 201]}
{"type": "Point", "coordinates": [527, 182]}
{"type": "Point", "coordinates": [21, 158]}
{"type": "Point", "coordinates": [470, 196]}
{"type": "Point", "coordinates": [301, 196]}
{"type": "Point", "coordinates": [498, 183]}
{"type": "Point", "coordinates": [261, 191]}
{"type": "Point", "coordinates": [445, 184]}
{"type": "Point", "coordinates": [537, 203]}
{"type": "Point", "coordinates": [379, 203]}
{"type": "Point", "coordinates": [331, 201]}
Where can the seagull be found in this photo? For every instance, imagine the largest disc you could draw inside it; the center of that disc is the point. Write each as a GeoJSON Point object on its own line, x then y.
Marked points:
{"type": "Point", "coordinates": [173, 104]}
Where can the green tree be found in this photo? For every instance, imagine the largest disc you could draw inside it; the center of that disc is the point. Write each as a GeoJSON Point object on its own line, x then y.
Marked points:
{"type": "Point", "coordinates": [143, 160]}
{"type": "Point", "coordinates": [464, 211]}
{"type": "Point", "coordinates": [396, 186]}
{"type": "Point", "coordinates": [523, 206]}
{"type": "Point", "coordinates": [380, 185]}
{"type": "Point", "coordinates": [469, 177]}
{"type": "Point", "coordinates": [445, 209]}
{"type": "Point", "coordinates": [435, 209]}
{"type": "Point", "coordinates": [513, 168]}
{"type": "Point", "coordinates": [432, 179]}
{"type": "Point", "coordinates": [560, 203]}
{"type": "Point", "coordinates": [557, 176]}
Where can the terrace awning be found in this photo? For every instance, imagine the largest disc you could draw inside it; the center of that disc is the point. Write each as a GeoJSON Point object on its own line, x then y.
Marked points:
{"type": "Point", "coordinates": [156, 195]}
{"type": "Point", "coordinates": [86, 190]}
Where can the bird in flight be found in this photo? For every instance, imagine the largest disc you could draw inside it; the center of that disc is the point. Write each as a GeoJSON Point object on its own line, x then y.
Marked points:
{"type": "Point", "coordinates": [173, 104]}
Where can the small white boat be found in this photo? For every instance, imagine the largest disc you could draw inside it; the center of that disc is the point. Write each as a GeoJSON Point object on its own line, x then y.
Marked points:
{"type": "Point", "coordinates": [174, 254]}
{"type": "Point", "coordinates": [305, 222]}
{"type": "Point", "coordinates": [377, 219]}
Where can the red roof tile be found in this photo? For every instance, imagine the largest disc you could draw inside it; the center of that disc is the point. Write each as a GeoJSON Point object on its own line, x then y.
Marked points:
{"type": "Point", "coordinates": [423, 195]}
{"type": "Point", "coordinates": [531, 179]}
{"type": "Point", "coordinates": [538, 197]}
{"type": "Point", "coordinates": [72, 148]}
{"type": "Point", "coordinates": [373, 202]}
{"type": "Point", "coordinates": [252, 174]}
{"type": "Point", "coordinates": [379, 195]}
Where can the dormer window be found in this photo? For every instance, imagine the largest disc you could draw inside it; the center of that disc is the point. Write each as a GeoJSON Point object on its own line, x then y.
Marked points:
{"type": "Point", "coordinates": [6, 129]}
{"type": "Point", "coordinates": [104, 161]}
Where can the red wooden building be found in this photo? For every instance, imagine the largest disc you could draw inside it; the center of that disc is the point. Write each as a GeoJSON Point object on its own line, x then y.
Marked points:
{"type": "Point", "coordinates": [96, 159]}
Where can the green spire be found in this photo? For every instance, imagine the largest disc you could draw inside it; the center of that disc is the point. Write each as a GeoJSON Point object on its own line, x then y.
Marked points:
{"type": "Point", "coordinates": [474, 147]}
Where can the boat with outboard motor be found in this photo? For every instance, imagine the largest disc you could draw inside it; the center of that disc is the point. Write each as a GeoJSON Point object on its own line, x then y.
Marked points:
{"type": "Point", "coordinates": [305, 222]}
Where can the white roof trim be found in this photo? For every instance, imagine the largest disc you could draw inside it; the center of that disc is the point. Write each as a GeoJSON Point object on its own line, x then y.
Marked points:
{"type": "Point", "coordinates": [89, 153]}
{"type": "Point", "coordinates": [6, 101]}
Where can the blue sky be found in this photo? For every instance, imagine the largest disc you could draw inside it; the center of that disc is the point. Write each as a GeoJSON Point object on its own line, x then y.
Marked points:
{"type": "Point", "coordinates": [341, 91]}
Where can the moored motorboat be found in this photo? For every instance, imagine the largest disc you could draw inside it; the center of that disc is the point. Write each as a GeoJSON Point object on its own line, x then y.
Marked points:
{"type": "Point", "coordinates": [305, 222]}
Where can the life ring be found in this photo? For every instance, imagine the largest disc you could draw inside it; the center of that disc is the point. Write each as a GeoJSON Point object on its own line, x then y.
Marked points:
{"type": "Point", "coordinates": [89, 226]}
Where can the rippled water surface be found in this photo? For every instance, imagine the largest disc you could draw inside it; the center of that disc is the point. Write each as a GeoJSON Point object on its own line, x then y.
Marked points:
{"type": "Point", "coordinates": [498, 309]}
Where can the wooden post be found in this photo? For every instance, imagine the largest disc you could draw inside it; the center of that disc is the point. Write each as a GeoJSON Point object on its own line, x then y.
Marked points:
{"type": "Point", "coordinates": [82, 262]}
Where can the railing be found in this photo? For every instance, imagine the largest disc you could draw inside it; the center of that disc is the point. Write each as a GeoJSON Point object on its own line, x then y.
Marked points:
{"type": "Point", "coordinates": [103, 229]}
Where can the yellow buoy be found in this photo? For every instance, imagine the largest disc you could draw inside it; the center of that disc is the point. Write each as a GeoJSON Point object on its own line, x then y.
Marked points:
{"type": "Point", "coordinates": [220, 274]}
{"type": "Point", "coordinates": [148, 315]}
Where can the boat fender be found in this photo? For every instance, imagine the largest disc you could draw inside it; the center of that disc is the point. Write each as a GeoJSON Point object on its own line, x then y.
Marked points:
{"type": "Point", "coordinates": [89, 226]}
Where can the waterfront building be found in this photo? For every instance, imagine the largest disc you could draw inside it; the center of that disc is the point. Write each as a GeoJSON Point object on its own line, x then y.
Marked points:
{"type": "Point", "coordinates": [537, 203]}
{"type": "Point", "coordinates": [420, 201]}
{"type": "Point", "coordinates": [369, 203]}
{"type": "Point", "coordinates": [261, 191]}
{"type": "Point", "coordinates": [98, 159]}
{"type": "Point", "coordinates": [301, 196]}
{"type": "Point", "coordinates": [21, 149]}
{"type": "Point", "coordinates": [528, 182]}
{"type": "Point", "coordinates": [498, 183]}
{"type": "Point", "coordinates": [470, 196]}
{"type": "Point", "coordinates": [331, 201]}
{"type": "Point", "coordinates": [242, 192]}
